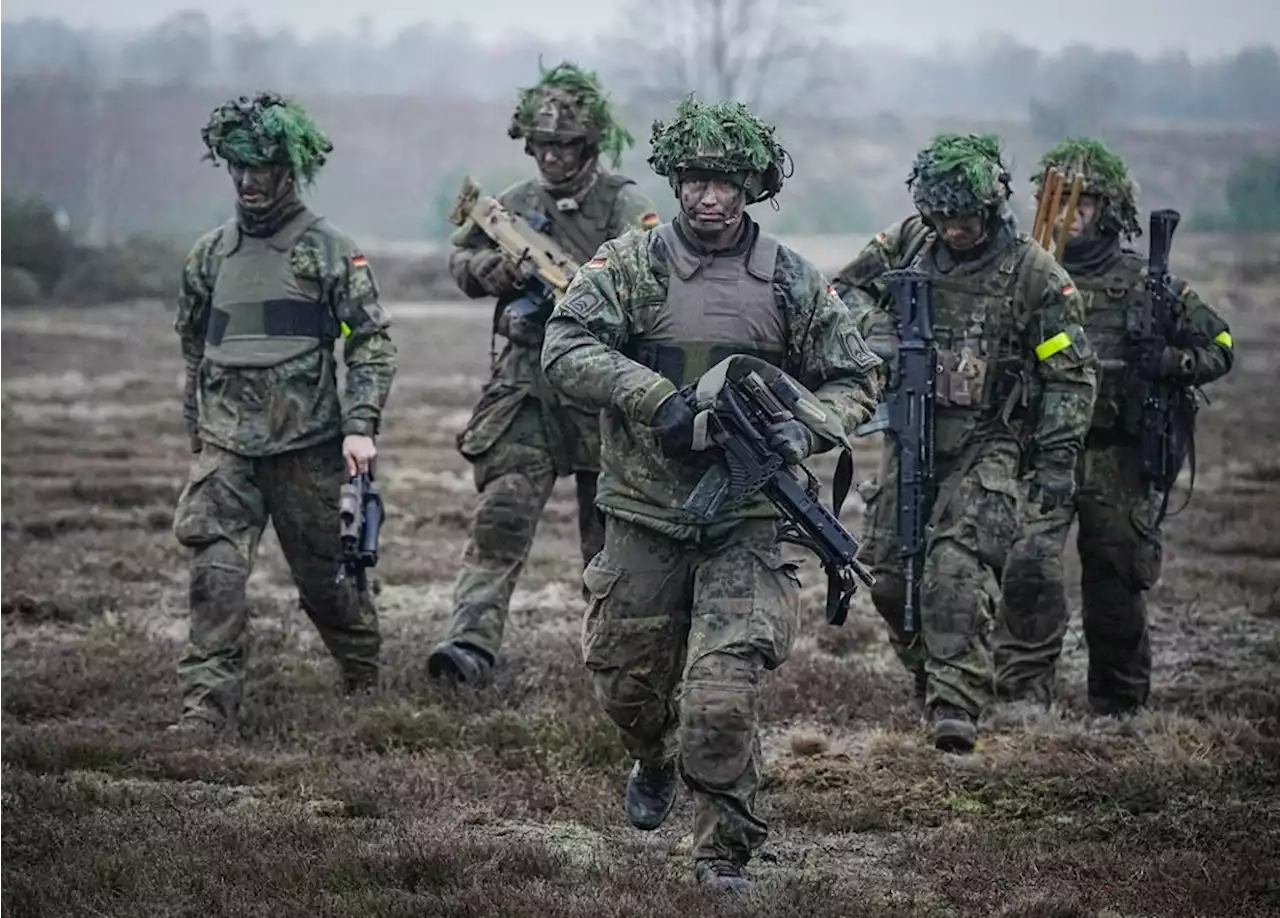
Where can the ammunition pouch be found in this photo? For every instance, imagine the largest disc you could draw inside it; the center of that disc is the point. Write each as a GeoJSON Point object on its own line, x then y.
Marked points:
{"type": "Point", "coordinates": [522, 320]}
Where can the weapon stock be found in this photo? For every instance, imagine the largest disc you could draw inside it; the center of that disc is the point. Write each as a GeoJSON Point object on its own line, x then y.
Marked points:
{"type": "Point", "coordinates": [360, 515]}
{"type": "Point", "coordinates": [744, 409]}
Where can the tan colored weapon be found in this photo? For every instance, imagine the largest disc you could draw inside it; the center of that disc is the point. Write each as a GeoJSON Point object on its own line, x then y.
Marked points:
{"type": "Point", "coordinates": [1052, 184]}
{"type": "Point", "coordinates": [528, 250]}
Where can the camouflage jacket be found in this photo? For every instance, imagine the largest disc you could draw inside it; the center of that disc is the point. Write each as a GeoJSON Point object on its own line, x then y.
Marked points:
{"type": "Point", "coordinates": [610, 207]}
{"type": "Point", "coordinates": [1112, 287]}
{"type": "Point", "coordinates": [621, 294]}
{"type": "Point", "coordinates": [1016, 362]}
{"type": "Point", "coordinates": [261, 411]}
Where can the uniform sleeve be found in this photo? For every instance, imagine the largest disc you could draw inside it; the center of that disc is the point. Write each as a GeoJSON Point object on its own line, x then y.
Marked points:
{"type": "Point", "coordinates": [632, 209]}
{"type": "Point", "coordinates": [469, 242]}
{"type": "Point", "coordinates": [1066, 366]}
{"type": "Point", "coordinates": [367, 348]}
{"type": "Point", "coordinates": [1204, 335]}
{"type": "Point", "coordinates": [860, 285]}
{"type": "Point", "coordinates": [828, 354]}
{"type": "Point", "coordinates": [581, 351]}
{"type": "Point", "coordinates": [195, 295]}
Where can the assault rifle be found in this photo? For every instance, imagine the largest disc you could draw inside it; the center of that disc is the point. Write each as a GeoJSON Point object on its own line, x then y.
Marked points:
{"type": "Point", "coordinates": [546, 267]}
{"type": "Point", "coordinates": [907, 415]}
{"type": "Point", "coordinates": [1168, 408]}
{"type": "Point", "coordinates": [737, 422]}
{"type": "Point", "coordinates": [359, 524]}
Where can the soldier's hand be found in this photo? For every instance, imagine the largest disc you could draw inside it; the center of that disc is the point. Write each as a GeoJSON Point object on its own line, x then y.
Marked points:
{"type": "Point", "coordinates": [673, 425]}
{"type": "Point", "coordinates": [791, 440]}
{"type": "Point", "coordinates": [359, 452]}
{"type": "Point", "coordinates": [494, 274]}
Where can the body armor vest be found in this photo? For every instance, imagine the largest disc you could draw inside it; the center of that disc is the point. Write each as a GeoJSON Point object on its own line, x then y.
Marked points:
{"type": "Point", "coordinates": [1107, 298]}
{"type": "Point", "coordinates": [585, 229]}
{"type": "Point", "coordinates": [262, 313]}
{"type": "Point", "coordinates": [715, 307]}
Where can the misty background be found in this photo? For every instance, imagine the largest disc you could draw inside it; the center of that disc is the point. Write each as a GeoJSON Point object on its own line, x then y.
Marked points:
{"type": "Point", "coordinates": [103, 105]}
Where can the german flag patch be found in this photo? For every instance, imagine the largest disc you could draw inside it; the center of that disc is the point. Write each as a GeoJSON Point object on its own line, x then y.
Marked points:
{"type": "Point", "coordinates": [649, 221]}
{"type": "Point", "coordinates": [359, 261]}
{"type": "Point", "coordinates": [597, 263]}
{"type": "Point", "coordinates": [1068, 290]}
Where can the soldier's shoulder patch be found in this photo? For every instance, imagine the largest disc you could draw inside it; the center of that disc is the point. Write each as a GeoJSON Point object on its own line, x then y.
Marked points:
{"type": "Point", "coordinates": [359, 261]}
{"type": "Point", "coordinates": [597, 262]}
{"type": "Point", "coordinates": [1068, 289]}
{"type": "Point", "coordinates": [649, 220]}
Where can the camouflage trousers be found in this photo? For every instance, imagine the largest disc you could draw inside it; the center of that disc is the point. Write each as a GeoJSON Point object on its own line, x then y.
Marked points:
{"type": "Point", "coordinates": [1120, 558]}
{"type": "Point", "coordinates": [677, 637]}
{"type": "Point", "coordinates": [221, 514]}
{"type": "Point", "coordinates": [515, 477]}
{"type": "Point", "coordinates": [976, 519]}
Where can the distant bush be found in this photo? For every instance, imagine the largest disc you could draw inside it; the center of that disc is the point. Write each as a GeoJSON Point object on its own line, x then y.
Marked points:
{"type": "Point", "coordinates": [1253, 199]}
{"type": "Point", "coordinates": [31, 240]}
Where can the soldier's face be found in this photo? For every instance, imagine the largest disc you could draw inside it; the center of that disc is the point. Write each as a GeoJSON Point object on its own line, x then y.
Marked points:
{"type": "Point", "coordinates": [712, 205]}
{"type": "Point", "coordinates": [258, 189]}
{"type": "Point", "coordinates": [1084, 218]}
{"type": "Point", "coordinates": [558, 160]}
{"type": "Point", "coordinates": [960, 232]}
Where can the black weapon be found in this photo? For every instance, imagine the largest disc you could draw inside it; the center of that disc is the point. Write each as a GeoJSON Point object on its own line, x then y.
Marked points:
{"type": "Point", "coordinates": [359, 524]}
{"type": "Point", "coordinates": [744, 410]}
{"type": "Point", "coordinates": [1151, 326]}
{"type": "Point", "coordinates": [907, 415]}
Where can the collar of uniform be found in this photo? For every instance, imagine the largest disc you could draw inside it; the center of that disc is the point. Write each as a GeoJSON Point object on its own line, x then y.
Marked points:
{"type": "Point", "coordinates": [282, 240]}
{"type": "Point", "coordinates": [687, 257]}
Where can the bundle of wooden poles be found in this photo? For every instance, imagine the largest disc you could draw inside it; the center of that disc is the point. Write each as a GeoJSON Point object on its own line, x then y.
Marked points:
{"type": "Point", "coordinates": [1052, 185]}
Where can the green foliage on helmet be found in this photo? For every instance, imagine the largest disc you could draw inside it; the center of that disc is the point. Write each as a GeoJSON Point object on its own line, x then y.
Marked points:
{"type": "Point", "coordinates": [266, 130]}
{"type": "Point", "coordinates": [959, 175]}
{"type": "Point", "coordinates": [1105, 176]}
{"type": "Point", "coordinates": [569, 103]}
{"type": "Point", "coordinates": [720, 137]}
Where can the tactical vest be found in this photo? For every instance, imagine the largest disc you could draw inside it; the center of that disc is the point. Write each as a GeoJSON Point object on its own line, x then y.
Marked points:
{"type": "Point", "coordinates": [262, 313]}
{"type": "Point", "coordinates": [715, 307]}
{"type": "Point", "coordinates": [1107, 298]}
{"type": "Point", "coordinates": [584, 230]}
{"type": "Point", "coordinates": [979, 321]}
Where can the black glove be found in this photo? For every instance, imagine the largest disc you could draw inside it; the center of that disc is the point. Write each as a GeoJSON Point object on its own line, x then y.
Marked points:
{"type": "Point", "coordinates": [673, 424]}
{"type": "Point", "coordinates": [1168, 362]}
{"type": "Point", "coordinates": [791, 440]}
{"type": "Point", "coordinates": [494, 274]}
{"type": "Point", "coordinates": [1053, 485]}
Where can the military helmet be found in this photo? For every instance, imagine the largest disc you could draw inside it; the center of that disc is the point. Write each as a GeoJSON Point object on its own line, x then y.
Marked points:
{"type": "Point", "coordinates": [958, 175]}
{"type": "Point", "coordinates": [722, 138]}
{"type": "Point", "coordinates": [568, 103]}
{"type": "Point", "coordinates": [266, 130]}
{"type": "Point", "coordinates": [1105, 176]}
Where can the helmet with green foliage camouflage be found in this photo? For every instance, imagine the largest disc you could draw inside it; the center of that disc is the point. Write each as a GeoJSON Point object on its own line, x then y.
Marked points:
{"type": "Point", "coordinates": [724, 138]}
{"type": "Point", "coordinates": [266, 130]}
{"type": "Point", "coordinates": [1105, 176]}
{"type": "Point", "coordinates": [959, 175]}
{"type": "Point", "coordinates": [568, 103]}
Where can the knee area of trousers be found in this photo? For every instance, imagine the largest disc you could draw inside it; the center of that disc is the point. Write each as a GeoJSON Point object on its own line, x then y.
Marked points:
{"type": "Point", "coordinates": [216, 571]}
{"type": "Point", "coordinates": [718, 720]}
{"type": "Point", "coordinates": [506, 515]}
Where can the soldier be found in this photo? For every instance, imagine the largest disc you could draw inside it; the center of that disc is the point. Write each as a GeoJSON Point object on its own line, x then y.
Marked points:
{"type": "Point", "coordinates": [262, 301]}
{"type": "Point", "coordinates": [675, 601]}
{"type": "Point", "coordinates": [521, 436]}
{"type": "Point", "coordinates": [1119, 536]}
{"type": "Point", "coordinates": [1015, 387]}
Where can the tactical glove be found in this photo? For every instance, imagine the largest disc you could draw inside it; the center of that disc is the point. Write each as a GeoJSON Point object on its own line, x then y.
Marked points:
{"type": "Point", "coordinates": [1053, 485]}
{"type": "Point", "coordinates": [673, 424]}
{"type": "Point", "coordinates": [494, 274]}
{"type": "Point", "coordinates": [1169, 363]}
{"type": "Point", "coordinates": [791, 440]}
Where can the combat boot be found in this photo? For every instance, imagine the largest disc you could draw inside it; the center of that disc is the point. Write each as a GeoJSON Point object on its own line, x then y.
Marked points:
{"type": "Point", "coordinates": [460, 664]}
{"type": "Point", "coordinates": [954, 729]}
{"type": "Point", "coordinates": [722, 876]}
{"type": "Point", "coordinates": [195, 727]}
{"type": "Point", "coordinates": [651, 793]}
{"type": "Point", "coordinates": [360, 681]}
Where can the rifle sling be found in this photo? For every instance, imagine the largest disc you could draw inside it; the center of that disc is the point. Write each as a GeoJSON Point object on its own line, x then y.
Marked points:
{"type": "Point", "coordinates": [568, 225]}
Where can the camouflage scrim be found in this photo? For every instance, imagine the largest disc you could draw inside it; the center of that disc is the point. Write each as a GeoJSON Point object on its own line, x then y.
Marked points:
{"type": "Point", "coordinates": [295, 404]}
{"type": "Point", "coordinates": [958, 175]}
{"type": "Point", "coordinates": [266, 130]}
{"type": "Point", "coordinates": [569, 103]}
{"type": "Point", "coordinates": [1104, 174]}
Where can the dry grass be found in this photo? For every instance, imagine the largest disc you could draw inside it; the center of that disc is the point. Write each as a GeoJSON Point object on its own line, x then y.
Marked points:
{"type": "Point", "coordinates": [507, 802]}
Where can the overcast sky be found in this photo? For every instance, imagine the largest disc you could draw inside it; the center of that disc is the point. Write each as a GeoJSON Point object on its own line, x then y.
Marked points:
{"type": "Point", "coordinates": [1203, 27]}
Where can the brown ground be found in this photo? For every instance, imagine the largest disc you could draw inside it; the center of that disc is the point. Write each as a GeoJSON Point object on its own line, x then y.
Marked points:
{"type": "Point", "coordinates": [508, 802]}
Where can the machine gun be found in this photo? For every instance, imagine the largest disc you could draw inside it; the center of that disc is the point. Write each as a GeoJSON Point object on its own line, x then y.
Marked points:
{"type": "Point", "coordinates": [745, 407]}
{"type": "Point", "coordinates": [1167, 408]}
{"type": "Point", "coordinates": [546, 267]}
{"type": "Point", "coordinates": [359, 524]}
{"type": "Point", "coordinates": [907, 415]}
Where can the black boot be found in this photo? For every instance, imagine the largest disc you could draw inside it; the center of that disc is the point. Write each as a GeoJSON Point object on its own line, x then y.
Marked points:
{"type": "Point", "coordinates": [954, 729]}
{"type": "Point", "coordinates": [722, 876]}
{"type": "Point", "coordinates": [461, 664]}
{"type": "Point", "coordinates": [651, 793]}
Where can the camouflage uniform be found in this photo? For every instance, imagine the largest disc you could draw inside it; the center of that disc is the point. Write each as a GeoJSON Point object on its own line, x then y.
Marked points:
{"type": "Point", "coordinates": [685, 616]}
{"type": "Point", "coordinates": [1015, 388]}
{"type": "Point", "coordinates": [522, 436]}
{"type": "Point", "coordinates": [260, 307]}
{"type": "Point", "coordinates": [1119, 536]}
